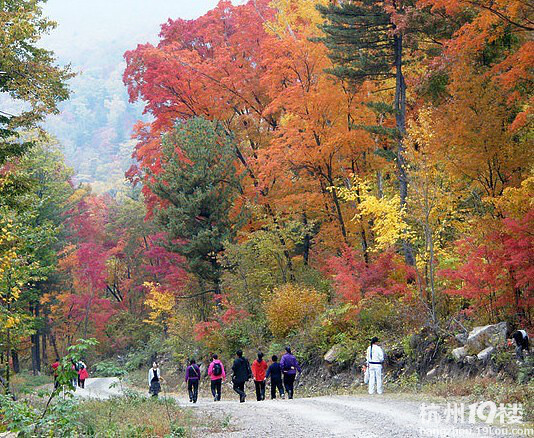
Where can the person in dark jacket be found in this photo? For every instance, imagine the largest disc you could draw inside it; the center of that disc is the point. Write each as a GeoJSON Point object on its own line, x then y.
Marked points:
{"type": "Point", "coordinates": [521, 343]}
{"type": "Point", "coordinates": [241, 373]}
{"type": "Point", "coordinates": [192, 377]}
{"type": "Point", "coordinates": [290, 366]}
{"type": "Point", "coordinates": [275, 373]}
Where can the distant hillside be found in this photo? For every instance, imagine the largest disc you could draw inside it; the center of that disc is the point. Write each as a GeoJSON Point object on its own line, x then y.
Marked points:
{"type": "Point", "coordinates": [95, 125]}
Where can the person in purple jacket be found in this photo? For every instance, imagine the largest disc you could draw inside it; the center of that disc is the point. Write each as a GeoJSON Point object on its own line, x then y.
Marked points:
{"type": "Point", "coordinates": [290, 366]}
{"type": "Point", "coordinates": [192, 377]}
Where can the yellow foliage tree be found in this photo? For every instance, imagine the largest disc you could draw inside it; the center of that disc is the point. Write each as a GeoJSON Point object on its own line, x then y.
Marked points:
{"type": "Point", "coordinates": [517, 201]}
{"type": "Point", "coordinates": [433, 205]}
{"type": "Point", "coordinates": [295, 17]}
{"type": "Point", "coordinates": [161, 304]}
{"type": "Point", "coordinates": [291, 307]}
{"type": "Point", "coordinates": [389, 224]}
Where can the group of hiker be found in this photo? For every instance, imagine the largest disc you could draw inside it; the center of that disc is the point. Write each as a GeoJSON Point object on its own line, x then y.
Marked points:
{"type": "Point", "coordinates": [282, 374]}
{"type": "Point", "coordinates": [77, 366]}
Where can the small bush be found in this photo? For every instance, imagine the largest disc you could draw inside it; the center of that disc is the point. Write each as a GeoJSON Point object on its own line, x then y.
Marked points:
{"type": "Point", "coordinates": [291, 307]}
{"type": "Point", "coordinates": [109, 368]}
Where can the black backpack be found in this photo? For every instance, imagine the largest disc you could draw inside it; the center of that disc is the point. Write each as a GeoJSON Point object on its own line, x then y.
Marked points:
{"type": "Point", "coordinates": [217, 369]}
{"type": "Point", "coordinates": [249, 370]}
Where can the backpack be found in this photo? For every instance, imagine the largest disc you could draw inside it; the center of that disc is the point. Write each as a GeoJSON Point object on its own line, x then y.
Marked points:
{"type": "Point", "coordinates": [249, 370]}
{"type": "Point", "coordinates": [217, 369]}
{"type": "Point", "coordinates": [287, 366]}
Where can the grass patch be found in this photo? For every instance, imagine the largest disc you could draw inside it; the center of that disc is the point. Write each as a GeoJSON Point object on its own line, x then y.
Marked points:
{"type": "Point", "coordinates": [135, 416]}
{"type": "Point", "coordinates": [26, 383]}
{"type": "Point", "coordinates": [487, 389]}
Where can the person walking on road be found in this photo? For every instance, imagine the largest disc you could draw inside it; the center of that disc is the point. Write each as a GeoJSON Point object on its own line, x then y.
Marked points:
{"type": "Point", "coordinates": [275, 372]}
{"type": "Point", "coordinates": [241, 373]}
{"type": "Point", "coordinates": [79, 366]}
{"type": "Point", "coordinates": [55, 370]}
{"type": "Point", "coordinates": [217, 375]}
{"type": "Point", "coordinates": [259, 368]}
{"type": "Point", "coordinates": [290, 366]}
{"type": "Point", "coordinates": [192, 378]}
{"type": "Point", "coordinates": [375, 359]}
{"type": "Point", "coordinates": [76, 368]}
{"type": "Point", "coordinates": [82, 374]}
{"type": "Point", "coordinates": [154, 380]}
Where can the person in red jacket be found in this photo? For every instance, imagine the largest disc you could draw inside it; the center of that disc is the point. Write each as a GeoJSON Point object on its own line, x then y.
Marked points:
{"type": "Point", "coordinates": [259, 368]}
{"type": "Point", "coordinates": [82, 375]}
{"type": "Point", "coordinates": [55, 367]}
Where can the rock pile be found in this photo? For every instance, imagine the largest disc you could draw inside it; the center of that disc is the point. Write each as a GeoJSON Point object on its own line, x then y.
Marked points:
{"type": "Point", "coordinates": [481, 343]}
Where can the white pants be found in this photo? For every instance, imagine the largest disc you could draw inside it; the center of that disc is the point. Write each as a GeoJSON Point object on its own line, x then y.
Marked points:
{"type": "Point", "coordinates": [375, 378]}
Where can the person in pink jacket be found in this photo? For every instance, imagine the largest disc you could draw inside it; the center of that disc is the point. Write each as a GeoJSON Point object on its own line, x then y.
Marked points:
{"type": "Point", "coordinates": [217, 375]}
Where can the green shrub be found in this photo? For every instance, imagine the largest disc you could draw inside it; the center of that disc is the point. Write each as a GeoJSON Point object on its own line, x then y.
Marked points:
{"type": "Point", "coordinates": [60, 419]}
{"type": "Point", "coordinates": [109, 368]}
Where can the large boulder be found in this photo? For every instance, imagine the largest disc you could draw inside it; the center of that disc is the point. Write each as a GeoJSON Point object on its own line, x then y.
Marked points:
{"type": "Point", "coordinates": [332, 355]}
{"type": "Point", "coordinates": [471, 359]}
{"type": "Point", "coordinates": [461, 338]}
{"type": "Point", "coordinates": [432, 373]}
{"type": "Point", "coordinates": [481, 338]}
{"type": "Point", "coordinates": [485, 354]}
{"type": "Point", "coordinates": [459, 353]}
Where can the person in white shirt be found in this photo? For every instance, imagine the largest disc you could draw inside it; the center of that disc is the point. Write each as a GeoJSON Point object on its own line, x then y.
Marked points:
{"type": "Point", "coordinates": [375, 359]}
{"type": "Point", "coordinates": [154, 380]}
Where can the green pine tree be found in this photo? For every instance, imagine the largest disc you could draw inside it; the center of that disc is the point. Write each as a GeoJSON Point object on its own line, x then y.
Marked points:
{"type": "Point", "coordinates": [198, 183]}
{"type": "Point", "coordinates": [365, 44]}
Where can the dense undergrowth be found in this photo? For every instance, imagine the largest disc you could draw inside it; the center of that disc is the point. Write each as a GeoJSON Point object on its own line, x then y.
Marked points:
{"type": "Point", "coordinates": [131, 415]}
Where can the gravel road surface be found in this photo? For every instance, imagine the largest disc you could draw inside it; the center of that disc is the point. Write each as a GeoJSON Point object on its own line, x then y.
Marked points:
{"type": "Point", "coordinates": [361, 416]}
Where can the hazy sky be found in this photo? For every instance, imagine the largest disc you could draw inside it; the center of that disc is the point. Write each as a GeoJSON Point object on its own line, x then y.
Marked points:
{"type": "Point", "coordinates": [82, 24]}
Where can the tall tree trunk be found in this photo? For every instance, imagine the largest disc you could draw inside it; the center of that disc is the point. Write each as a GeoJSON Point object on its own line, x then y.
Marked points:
{"type": "Point", "coordinates": [8, 351]}
{"type": "Point", "coordinates": [35, 340]}
{"type": "Point", "coordinates": [330, 180]}
{"type": "Point", "coordinates": [363, 236]}
{"type": "Point", "coordinates": [400, 117]}
{"type": "Point", "coordinates": [430, 246]}
{"type": "Point", "coordinates": [380, 184]}
{"type": "Point", "coordinates": [44, 354]}
{"type": "Point", "coordinates": [15, 359]}
{"type": "Point", "coordinates": [307, 240]}
{"type": "Point", "coordinates": [54, 345]}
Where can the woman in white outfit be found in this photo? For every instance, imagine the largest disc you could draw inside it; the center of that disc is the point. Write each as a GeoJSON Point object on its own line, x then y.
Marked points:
{"type": "Point", "coordinates": [154, 380]}
{"type": "Point", "coordinates": [375, 359]}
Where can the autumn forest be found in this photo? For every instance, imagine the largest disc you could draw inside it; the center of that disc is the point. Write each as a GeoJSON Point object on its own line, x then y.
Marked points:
{"type": "Point", "coordinates": [309, 172]}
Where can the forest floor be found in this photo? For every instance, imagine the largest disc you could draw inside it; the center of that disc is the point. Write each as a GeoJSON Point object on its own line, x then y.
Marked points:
{"type": "Point", "coordinates": [391, 415]}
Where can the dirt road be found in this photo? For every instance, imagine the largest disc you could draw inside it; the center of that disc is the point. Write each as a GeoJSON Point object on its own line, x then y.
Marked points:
{"type": "Point", "coordinates": [332, 416]}
{"type": "Point", "coordinates": [100, 387]}
{"type": "Point", "coordinates": [362, 416]}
